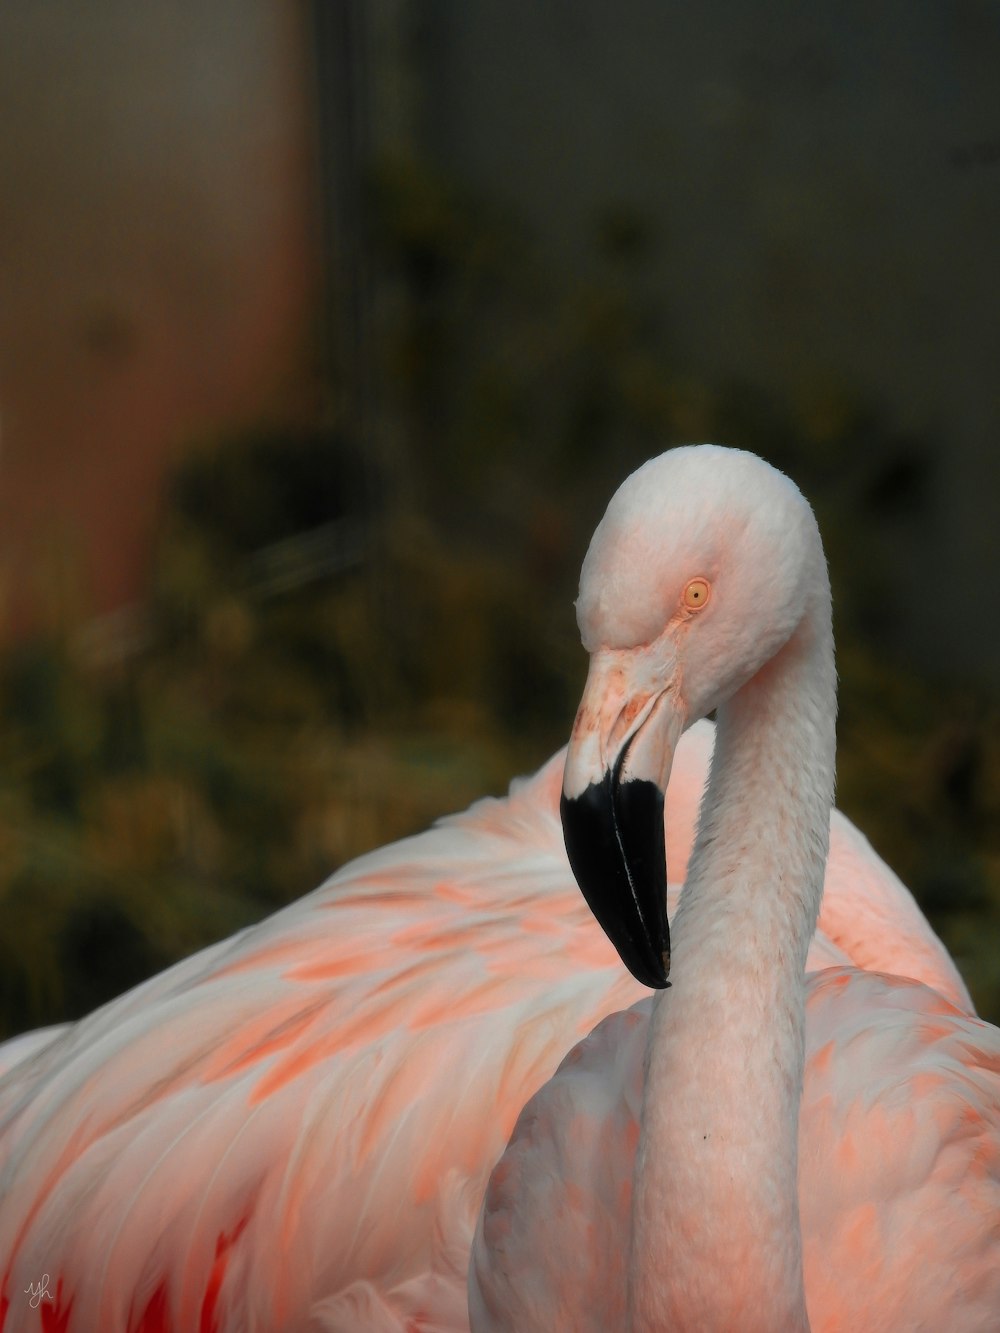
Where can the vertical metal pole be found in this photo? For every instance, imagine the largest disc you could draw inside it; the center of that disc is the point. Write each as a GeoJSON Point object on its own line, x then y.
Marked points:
{"type": "Point", "coordinates": [341, 80]}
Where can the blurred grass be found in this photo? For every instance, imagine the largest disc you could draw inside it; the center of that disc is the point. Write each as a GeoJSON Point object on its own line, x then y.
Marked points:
{"type": "Point", "coordinates": [334, 651]}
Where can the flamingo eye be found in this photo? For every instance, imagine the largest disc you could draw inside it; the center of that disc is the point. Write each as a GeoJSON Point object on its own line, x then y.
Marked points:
{"type": "Point", "coordinates": [696, 594]}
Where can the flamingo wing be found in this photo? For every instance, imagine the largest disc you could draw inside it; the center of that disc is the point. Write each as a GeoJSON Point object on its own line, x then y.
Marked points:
{"type": "Point", "coordinates": [298, 1123]}
{"type": "Point", "coordinates": [16, 1049]}
{"type": "Point", "coordinates": [874, 918]}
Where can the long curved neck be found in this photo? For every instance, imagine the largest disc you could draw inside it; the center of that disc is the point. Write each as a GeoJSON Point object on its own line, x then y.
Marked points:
{"type": "Point", "coordinates": [716, 1243]}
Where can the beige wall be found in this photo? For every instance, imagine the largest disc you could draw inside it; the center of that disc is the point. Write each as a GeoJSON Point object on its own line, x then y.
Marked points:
{"type": "Point", "coordinates": [154, 259]}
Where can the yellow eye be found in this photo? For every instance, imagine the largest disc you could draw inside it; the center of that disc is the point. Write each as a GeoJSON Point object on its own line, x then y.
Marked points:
{"type": "Point", "coordinates": [696, 594]}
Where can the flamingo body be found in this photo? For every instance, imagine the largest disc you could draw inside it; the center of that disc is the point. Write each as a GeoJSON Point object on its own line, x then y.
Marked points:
{"type": "Point", "coordinates": [899, 1171]}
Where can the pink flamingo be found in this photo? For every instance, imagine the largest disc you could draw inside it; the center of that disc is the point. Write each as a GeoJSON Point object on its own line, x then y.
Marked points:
{"type": "Point", "coordinates": [757, 1148]}
{"type": "Point", "coordinates": [294, 1129]}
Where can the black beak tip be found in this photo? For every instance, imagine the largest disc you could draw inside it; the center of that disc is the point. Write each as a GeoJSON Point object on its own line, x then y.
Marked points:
{"type": "Point", "coordinates": [614, 840]}
{"type": "Point", "coordinates": [647, 972]}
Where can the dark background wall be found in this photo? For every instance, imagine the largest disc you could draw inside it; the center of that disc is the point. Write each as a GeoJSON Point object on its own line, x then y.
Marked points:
{"type": "Point", "coordinates": [819, 189]}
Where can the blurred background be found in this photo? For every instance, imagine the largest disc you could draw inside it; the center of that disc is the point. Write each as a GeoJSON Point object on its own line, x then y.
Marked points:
{"type": "Point", "coordinates": [326, 332]}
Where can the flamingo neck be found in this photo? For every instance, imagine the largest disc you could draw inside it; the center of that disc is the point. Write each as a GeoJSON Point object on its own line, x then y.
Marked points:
{"type": "Point", "coordinates": [716, 1242]}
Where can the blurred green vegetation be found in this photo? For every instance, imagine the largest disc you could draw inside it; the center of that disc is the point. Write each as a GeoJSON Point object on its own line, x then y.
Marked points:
{"type": "Point", "coordinates": [342, 642]}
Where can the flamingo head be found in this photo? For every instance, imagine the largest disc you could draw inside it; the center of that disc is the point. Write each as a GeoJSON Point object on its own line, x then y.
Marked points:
{"type": "Point", "coordinates": [696, 577]}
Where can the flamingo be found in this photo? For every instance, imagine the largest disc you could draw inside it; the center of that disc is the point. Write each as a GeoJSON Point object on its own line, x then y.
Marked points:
{"type": "Point", "coordinates": [294, 1128]}
{"type": "Point", "coordinates": [758, 1148]}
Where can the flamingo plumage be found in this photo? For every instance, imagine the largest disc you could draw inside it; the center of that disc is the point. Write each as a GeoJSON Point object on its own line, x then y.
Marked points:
{"type": "Point", "coordinates": [294, 1128]}
{"type": "Point", "coordinates": [772, 1143]}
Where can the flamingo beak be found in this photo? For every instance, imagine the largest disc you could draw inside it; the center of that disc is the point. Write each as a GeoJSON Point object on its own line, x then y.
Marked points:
{"type": "Point", "coordinates": [617, 768]}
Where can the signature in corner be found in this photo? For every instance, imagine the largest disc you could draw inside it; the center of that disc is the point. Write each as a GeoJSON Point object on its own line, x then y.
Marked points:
{"type": "Point", "coordinates": [38, 1291]}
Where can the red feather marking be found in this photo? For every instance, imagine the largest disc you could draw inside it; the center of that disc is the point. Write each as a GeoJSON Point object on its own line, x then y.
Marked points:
{"type": "Point", "coordinates": [436, 1008]}
{"type": "Point", "coordinates": [820, 1062]}
{"type": "Point", "coordinates": [457, 893]}
{"type": "Point", "coordinates": [369, 1026]}
{"type": "Point", "coordinates": [429, 935]}
{"type": "Point", "coordinates": [271, 955]}
{"type": "Point", "coordinates": [349, 965]}
{"type": "Point", "coordinates": [156, 1316]}
{"type": "Point", "coordinates": [404, 977]}
{"type": "Point", "coordinates": [260, 1037]}
{"type": "Point", "coordinates": [4, 1302]}
{"type": "Point", "coordinates": [380, 889]}
{"type": "Point", "coordinates": [77, 1142]}
{"type": "Point", "coordinates": [54, 1318]}
{"type": "Point", "coordinates": [209, 1322]}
